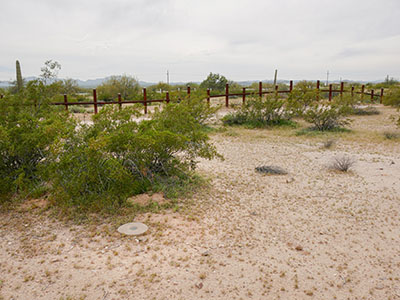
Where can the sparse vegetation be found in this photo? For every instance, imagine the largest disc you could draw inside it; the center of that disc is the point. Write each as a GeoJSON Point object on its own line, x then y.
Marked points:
{"type": "Point", "coordinates": [390, 135]}
{"type": "Point", "coordinates": [328, 116]}
{"type": "Point", "coordinates": [365, 111]}
{"type": "Point", "coordinates": [261, 112]}
{"type": "Point", "coordinates": [329, 143]}
{"type": "Point", "coordinates": [342, 163]}
{"type": "Point", "coordinates": [271, 170]}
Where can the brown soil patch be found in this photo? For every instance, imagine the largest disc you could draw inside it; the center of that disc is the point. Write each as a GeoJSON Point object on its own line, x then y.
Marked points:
{"type": "Point", "coordinates": [310, 234]}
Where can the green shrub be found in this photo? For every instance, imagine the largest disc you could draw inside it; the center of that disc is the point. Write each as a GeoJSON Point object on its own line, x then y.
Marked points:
{"type": "Point", "coordinates": [260, 112]}
{"type": "Point", "coordinates": [26, 133]}
{"type": "Point", "coordinates": [392, 96]}
{"type": "Point", "coordinates": [100, 165]}
{"type": "Point", "coordinates": [328, 115]}
{"type": "Point", "coordinates": [77, 109]}
{"type": "Point", "coordinates": [367, 111]}
{"type": "Point", "coordinates": [88, 179]}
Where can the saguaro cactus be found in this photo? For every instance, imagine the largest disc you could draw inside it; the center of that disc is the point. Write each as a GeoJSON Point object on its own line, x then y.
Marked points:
{"type": "Point", "coordinates": [20, 83]}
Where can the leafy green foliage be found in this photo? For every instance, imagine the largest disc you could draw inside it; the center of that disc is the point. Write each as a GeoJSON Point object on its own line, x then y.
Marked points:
{"type": "Point", "coordinates": [87, 179]}
{"type": "Point", "coordinates": [392, 96]}
{"type": "Point", "coordinates": [260, 112]}
{"type": "Point", "coordinates": [127, 85]}
{"type": "Point", "coordinates": [26, 133]}
{"type": "Point", "coordinates": [215, 82]}
{"type": "Point", "coordinates": [100, 165]}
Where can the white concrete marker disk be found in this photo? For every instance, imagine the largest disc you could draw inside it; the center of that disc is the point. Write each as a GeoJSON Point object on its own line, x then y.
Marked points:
{"type": "Point", "coordinates": [133, 228]}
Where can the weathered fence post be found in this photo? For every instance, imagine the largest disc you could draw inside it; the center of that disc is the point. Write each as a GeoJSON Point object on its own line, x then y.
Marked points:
{"type": "Point", "coordinates": [227, 95]}
{"type": "Point", "coordinates": [362, 92]}
{"type": "Point", "coordinates": [95, 100]}
{"type": "Point", "coordinates": [330, 92]}
{"type": "Point", "coordinates": [372, 95]}
{"type": "Point", "coordinates": [1, 96]}
{"type": "Point", "coordinates": [145, 100]}
{"type": "Point", "coordinates": [260, 89]}
{"type": "Point", "coordinates": [276, 91]}
{"type": "Point", "coordinates": [244, 95]}
{"type": "Point", "coordinates": [291, 86]}
{"type": "Point", "coordinates": [188, 91]}
{"type": "Point", "coordinates": [66, 102]}
{"type": "Point", "coordinates": [167, 97]}
{"type": "Point", "coordinates": [119, 100]}
{"type": "Point", "coordinates": [381, 96]}
{"type": "Point", "coordinates": [318, 83]}
{"type": "Point", "coordinates": [352, 91]}
{"type": "Point", "coordinates": [341, 89]}
{"type": "Point", "coordinates": [208, 96]}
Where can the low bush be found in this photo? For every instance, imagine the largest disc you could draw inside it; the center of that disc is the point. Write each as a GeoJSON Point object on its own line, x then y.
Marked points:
{"type": "Point", "coordinates": [392, 96]}
{"type": "Point", "coordinates": [365, 111]}
{"type": "Point", "coordinates": [102, 164]}
{"type": "Point", "coordinates": [390, 135]}
{"type": "Point", "coordinates": [26, 134]}
{"type": "Point", "coordinates": [261, 112]}
{"type": "Point", "coordinates": [342, 163]}
{"type": "Point", "coordinates": [328, 115]}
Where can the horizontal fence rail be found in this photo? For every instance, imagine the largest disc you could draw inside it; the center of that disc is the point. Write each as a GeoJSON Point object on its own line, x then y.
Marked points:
{"type": "Point", "coordinates": [260, 92]}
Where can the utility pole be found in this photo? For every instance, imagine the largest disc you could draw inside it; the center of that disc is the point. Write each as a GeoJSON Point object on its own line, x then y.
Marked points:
{"type": "Point", "coordinates": [276, 75]}
{"type": "Point", "coordinates": [327, 78]}
{"type": "Point", "coordinates": [168, 77]}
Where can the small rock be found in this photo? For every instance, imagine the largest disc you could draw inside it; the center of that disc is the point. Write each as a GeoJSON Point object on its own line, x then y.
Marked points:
{"type": "Point", "coordinates": [392, 162]}
{"type": "Point", "coordinates": [199, 285]}
{"type": "Point", "coordinates": [253, 213]}
{"type": "Point", "coordinates": [379, 286]}
{"type": "Point", "coordinates": [206, 253]}
{"type": "Point", "coordinates": [299, 248]}
{"type": "Point", "coordinates": [291, 179]}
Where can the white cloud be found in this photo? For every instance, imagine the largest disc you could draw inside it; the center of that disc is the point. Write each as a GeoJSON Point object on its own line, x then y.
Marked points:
{"type": "Point", "coordinates": [240, 39]}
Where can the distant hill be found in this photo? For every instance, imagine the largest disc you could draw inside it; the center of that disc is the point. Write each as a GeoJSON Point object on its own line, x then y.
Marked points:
{"type": "Point", "coordinates": [92, 83]}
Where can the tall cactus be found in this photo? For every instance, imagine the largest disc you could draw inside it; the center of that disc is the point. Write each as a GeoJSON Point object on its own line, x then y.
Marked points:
{"type": "Point", "coordinates": [20, 83]}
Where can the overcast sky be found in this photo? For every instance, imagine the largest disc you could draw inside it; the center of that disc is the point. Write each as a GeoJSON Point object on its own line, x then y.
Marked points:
{"type": "Point", "coordinates": [243, 40]}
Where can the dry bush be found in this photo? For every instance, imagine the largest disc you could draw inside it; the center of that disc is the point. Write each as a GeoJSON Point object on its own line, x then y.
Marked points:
{"type": "Point", "coordinates": [271, 170]}
{"type": "Point", "coordinates": [391, 135]}
{"type": "Point", "coordinates": [328, 144]}
{"type": "Point", "coordinates": [342, 163]}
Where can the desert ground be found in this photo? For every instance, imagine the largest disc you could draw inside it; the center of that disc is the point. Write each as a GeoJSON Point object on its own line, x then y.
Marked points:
{"type": "Point", "coordinates": [314, 233]}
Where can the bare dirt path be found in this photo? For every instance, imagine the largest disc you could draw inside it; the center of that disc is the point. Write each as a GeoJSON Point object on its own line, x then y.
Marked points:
{"type": "Point", "coordinates": [311, 234]}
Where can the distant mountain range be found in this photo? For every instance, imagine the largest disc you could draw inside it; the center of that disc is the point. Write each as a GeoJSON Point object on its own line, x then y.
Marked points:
{"type": "Point", "coordinates": [92, 83]}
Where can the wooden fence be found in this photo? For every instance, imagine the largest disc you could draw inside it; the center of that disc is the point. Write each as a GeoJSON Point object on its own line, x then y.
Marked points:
{"type": "Point", "coordinates": [245, 92]}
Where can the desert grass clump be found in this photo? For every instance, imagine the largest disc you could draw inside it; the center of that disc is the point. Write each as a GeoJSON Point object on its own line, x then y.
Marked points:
{"type": "Point", "coordinates": [342, 163]}
{"type": "Point", "coordinates": [271, 170]}
{"type": "Point", "coordinates": [365, 111]}
{"type": "Point", "coordinates": [390, 135]}
{"type": "Point", "coordinates": [329, 143]}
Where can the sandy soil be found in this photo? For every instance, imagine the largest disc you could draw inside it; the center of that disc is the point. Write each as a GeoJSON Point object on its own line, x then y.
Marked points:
{"type": "Point", "coordinates": [311, 234]}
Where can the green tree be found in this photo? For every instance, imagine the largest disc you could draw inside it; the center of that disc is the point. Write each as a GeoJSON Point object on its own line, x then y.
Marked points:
{"type": "Point", "coordinates": [46, 87]}
{"type": "Point", "coordinates": [215, 82]}
{"type": "Point", "coordinates": [127, 85]}
{"type": "Point", "coordinates": [69, 86]}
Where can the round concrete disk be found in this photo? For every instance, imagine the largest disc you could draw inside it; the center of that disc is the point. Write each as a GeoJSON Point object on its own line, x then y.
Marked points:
{"type": "Point", "coordinates": [133, 228]}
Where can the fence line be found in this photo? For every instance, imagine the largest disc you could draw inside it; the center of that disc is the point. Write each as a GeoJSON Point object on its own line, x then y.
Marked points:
{"type": "Point", "coordinates": [226, 95]}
